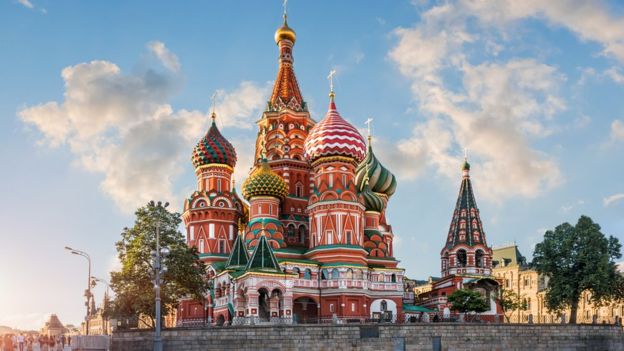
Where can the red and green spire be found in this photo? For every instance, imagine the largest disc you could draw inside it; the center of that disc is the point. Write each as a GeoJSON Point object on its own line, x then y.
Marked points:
{"type": "Point", "coordinates": [286, 93]}
{"type": "Point", "coordinates": [213, 148]}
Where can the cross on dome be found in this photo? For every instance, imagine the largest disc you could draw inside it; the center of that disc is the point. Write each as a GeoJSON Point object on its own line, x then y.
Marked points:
{"type": "Point", "coordinates": [368, 123]}
{"type": "Point", "coordinates": [331, 75]}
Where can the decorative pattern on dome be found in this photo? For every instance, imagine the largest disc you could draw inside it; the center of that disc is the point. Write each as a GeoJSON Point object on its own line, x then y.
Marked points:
{"type": "Point", "coordinates": [213, 148]}
{"type": "Point", "coordinates": [264, 182]}
{"type": "Point", "coordinates": [333, 136]}
{"type": "Point", "coordinates": [380, 179]}
{"type": "Point", "coordinates": [372, 201]}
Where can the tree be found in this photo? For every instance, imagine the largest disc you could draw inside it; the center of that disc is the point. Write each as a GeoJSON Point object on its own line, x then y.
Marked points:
{"type": "Point", "coordinates": [578, 258]}
{"type": "Point", "coordinates": [511, 301]}
{"type": "Point", "coordinates": [466, 300]}
{"type": "Point", "coordinates": [133, 285]}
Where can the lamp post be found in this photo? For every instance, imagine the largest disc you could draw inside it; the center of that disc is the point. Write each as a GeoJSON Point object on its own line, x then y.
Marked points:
{"type": "Point", "coordinates": [159, 268]}
{"type": "Point", "coordinates": [106, 295]}
{"type": "Point", "coordinates": [88, 291]}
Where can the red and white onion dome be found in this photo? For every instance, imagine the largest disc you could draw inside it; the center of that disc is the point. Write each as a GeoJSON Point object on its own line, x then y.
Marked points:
{"type": "Point", "coordinates": [333, 136]}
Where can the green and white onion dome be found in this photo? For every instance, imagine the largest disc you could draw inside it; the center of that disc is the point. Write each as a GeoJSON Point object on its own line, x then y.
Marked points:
{"type": "Point", "coordinates": [380, 179]}
{"type": "Point", "coordinates": [372, 201]}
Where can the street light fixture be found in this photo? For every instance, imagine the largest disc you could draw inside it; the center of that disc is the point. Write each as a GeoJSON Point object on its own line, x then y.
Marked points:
{"type": "Point", "coordinates": [88, 291]}
{"type": "Point", "coordinates": [159, 268]}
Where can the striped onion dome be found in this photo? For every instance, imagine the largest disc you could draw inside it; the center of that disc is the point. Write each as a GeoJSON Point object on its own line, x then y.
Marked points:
{"type": "Point", "coordinates": [264, 182]}
{"type": "Point", "coordinates": [380, 179]}
{"type": "Point", "coordinates": [213, 148]}
{"type": "Point", "coordinates": [333, 136]}
{"type": "Point", "coordinates": [372, 201]}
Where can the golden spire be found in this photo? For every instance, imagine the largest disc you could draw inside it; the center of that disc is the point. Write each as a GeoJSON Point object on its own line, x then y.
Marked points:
{"type": "Point", "coordinates": [331, 75]}
{"type": "Point", "coordinates": [285, 32]}
{"type": "Point", "coordinates": [368, 124]}
{"type": "Point", "coordinates": [213, 98]}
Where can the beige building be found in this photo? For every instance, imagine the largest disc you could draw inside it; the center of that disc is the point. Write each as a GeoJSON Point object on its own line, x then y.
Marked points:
{"type": "Point", "coordinates": [512, 271]}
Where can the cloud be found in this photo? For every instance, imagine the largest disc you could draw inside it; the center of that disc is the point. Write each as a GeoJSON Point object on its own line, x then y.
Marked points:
{"type": "Point", "coordinates": [26, 3]}
{"type": "Point", "coordinates": [613, 199]}
{"type": "Point", "coordinates": [168, 59]}
{"type": "Point", "coordinates": [25, 321]}
{"type": "Point", "coordinates": [122, 127]}
{"type": "Point", "coordinates": [615, 74]}
{"type": "Point", "coordinates": [495, 109]}
{"type": "Point", "coordinates": [617, 130]}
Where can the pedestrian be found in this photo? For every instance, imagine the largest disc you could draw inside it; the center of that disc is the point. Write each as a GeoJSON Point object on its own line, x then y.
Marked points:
{"type": "Point", "coordinates": [20, 341]}
{"type": "Point", "coordinates": [8, 342]}
{"type": "Point", "coordinates": [29, 343]}
{"type": "Point", "coordinates": [51, 343]}
{"type": "Point", "coordinates": [69, 340]}
{"type": "Point", "coordinates": [63, 341]}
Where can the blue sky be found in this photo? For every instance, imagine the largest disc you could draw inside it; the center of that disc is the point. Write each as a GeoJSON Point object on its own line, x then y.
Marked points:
{"type": "Point", "coordinates": [102, 103]}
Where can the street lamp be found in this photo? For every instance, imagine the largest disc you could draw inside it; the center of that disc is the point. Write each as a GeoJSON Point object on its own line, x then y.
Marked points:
{"type": "Point", "coordinates": [159, 268]}
{"type": "Point", "coordinates": [88, 291]}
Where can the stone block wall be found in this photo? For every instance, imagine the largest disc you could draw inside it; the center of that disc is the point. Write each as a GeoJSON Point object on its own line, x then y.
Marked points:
{"type": "Point", "coordinates": [434, 336]}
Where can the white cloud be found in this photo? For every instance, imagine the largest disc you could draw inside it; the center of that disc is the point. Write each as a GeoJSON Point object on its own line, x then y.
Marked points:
{"type": "Point", "coordinates": [26, 3]}
{"type": "Point", "coordinates": [613, 199]}
{"type": "Point", "coordinates": [121, 126]}
{"type": "Point", "coordinates": [496, 110]}
{"type": "Point", "coordinates": [617, 130]}
{"type": "Point", "coordinates": [615, 74]}
{"type": "Point", "coordinates": [168, 59]}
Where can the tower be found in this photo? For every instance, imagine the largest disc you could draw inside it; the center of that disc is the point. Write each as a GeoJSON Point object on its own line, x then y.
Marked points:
{"type": "Point", "coordinates": [282, 129]}
{"type": "Point", "coordinates": [466, 250]}
{"type": "Point", "coordinates": [334, 148]}
{"type": "Point", "coordinates": [212, 212]}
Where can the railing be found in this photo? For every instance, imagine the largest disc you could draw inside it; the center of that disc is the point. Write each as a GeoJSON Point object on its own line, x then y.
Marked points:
{"type": "Point", "coordinates": [193, 322]}
{"type": "Point", "coordinates": [386, 286]}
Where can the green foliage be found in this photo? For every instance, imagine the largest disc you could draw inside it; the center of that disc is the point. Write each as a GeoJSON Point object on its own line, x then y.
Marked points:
{"type": "Point", "coordinates": [465, 300]}
{"type": "Point", "coordinates": [133, 285]}
{"type": "Point", "coordinates": [575, 259]}
{"type": "Point", "coordinates": [512, 301]}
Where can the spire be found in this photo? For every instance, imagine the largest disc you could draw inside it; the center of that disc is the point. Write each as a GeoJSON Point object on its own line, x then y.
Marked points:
{"type": "Point", "coordinates": [263, 258]}
{"type": "Point", "coordinates": [213, 100]}
{"type": "Point", "coordinates": [466, 227]}
{"type": "Point", "coordinates": [286, 93]}
{"type": "Point", "coordinates": [238, 257]}
{"type": "Point", "coordinates": [368, 123]}
{"type": "Point", "coordinates": [466, 165]}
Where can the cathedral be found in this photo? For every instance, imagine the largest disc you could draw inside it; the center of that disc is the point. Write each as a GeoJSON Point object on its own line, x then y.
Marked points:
{"type": "Point", "coordinates": [307, 240]}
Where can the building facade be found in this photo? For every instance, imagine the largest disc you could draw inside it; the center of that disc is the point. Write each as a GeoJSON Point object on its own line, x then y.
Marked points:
{"type": "Point", "coordinates": [466, 259]}
{"type": "Point", "coordinates": [310, 242]}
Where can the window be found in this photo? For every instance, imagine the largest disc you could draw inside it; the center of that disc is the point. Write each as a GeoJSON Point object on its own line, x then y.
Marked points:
{"type": "Point", "coordinates": [297, 271]}
{"type": "Point", "coordinates": [461, 258]}
{"type": "Point", "coordinates": [221, 246]}
{"type": "Point", "coordinates": [211, 230]}
{"type": "Point", "coordinates": [331, 308]}
{"type": "Point", "coordinates": [393, 278]}
{"type": "Point", "coordinates": [344, 180]}
{"type": "Point", "coordinates": [331, 180]}
{"type": "Point", "coordinates": [352, 306]}
{"type": "Point", "coordinates": [192, 232]}
{"type": "Point", "coordinates": [348, 235]}
{"type": "Point", "coordinates": [479, 258]}
{"type": "Point", "coordinates": [302, 234]}
{"type": "Point", "coordinates": [329, 237]}
{"type": "Point", "coordinates": [291, 230]}
{"type": "Point", "coordinates": [201, 245]}
{"type": "Point", "coordinates": [529, 303]}
{"type": "Point", "coordinates": [231, 236]}
{"type": "Point", "coordinates": [349, 274]}
{"type": "Point", "coordinates": [219, 185]}
{"type": "Point", "coordinates": [299, 190]}
{"type": "Point", "coordinates": [324, 274]}
{"type": "Point", "coordinates": [335, 273]}
{"type": "Point", "coordinates": [307, 274]}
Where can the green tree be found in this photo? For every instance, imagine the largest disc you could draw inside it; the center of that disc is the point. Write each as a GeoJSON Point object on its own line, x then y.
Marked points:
{"type": "Point", "coordinates": [511, 301]}
{"type": "Point", "coordinates": [133, 284]}
{"type": "Point", "coordinates": [466, 300]}
{"type": "Point", "coordinates": [575, 259]}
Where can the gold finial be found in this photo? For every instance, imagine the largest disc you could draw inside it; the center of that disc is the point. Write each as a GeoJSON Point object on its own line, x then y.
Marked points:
{"type": "Point", "coordinates": [285, 32]}
{"type": "Point", "coordinates": [331, 75]}
{"type": "Point", "coordinates": [368, 124]}
{"type": "Point", "coordinates": [285, 5]}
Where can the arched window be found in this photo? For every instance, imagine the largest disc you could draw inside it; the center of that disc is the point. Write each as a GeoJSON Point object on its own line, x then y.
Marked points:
{"type": "Point", "coordinates": [307, 274]}
{"type": "Point", "coordinates": [461, 258]}
{"type": "Point", "coordinates": [291, 230]}
{"type": "Point", "coordinates": [201, 245]}
{"type": "Point", "coordinates": [335, 273]}
{"type": "Point", "coordinates": [479, 258]}
{"type": "Point", "coordinates": [297, 271]}
{"type": "Point", "coordinates": [302, 234]}
{"type": "Point", "coordinates": [299, 190]}
{"type": "Point", "coordinates": [393, 278]}
{"type": "Point", "coordinates": [349, 274]}
{"type": "Point", "coordinates": [324, 274]}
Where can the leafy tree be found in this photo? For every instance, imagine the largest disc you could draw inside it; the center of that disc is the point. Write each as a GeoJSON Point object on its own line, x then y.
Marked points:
{"type": "Point", "coordinates": [133, 285]}
{"type": "Point", "coordinates": [578, 258]}
{"type": "Point", "coordinates": [466, 300]}
{"type": "Point", "coordinates": [511, 301]}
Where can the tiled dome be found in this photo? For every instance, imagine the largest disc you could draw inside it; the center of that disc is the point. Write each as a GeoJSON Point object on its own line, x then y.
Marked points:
{"type": "Point", "coordinates": [264, 182]}
{"type": "Point", "coordinates": [213, 148]}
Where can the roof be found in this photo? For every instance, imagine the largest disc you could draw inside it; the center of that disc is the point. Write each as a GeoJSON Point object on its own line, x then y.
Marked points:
{"type": "Point", "coordinates": [380, 179]}
{"type": "Point", "coordinates": [466, 222]}
{"type": "Point", "coordinates": [286, 93]}
{"type": "Point", "coordinates": [263, 259]}
{"type": "Point", "coordinates": [413, 308]}
{"type": "Point", "coordinates": [508, 256]}
{"type": "Point", "coordinates": [238, 257]}
{"type": "Point", "coordinates": [213, 148]}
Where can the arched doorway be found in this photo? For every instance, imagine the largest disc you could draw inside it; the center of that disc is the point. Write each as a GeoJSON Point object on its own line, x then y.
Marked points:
{"type": "Point", "coordinates": [220, 320]}
{"type": "Point", "coordinates": [305, 310]}
{"type": "Point", "coordinates": [263, 304]}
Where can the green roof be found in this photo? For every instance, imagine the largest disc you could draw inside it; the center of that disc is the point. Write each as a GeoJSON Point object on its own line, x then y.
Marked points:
{"type": "Point", "coordinates": [239, 256]}
{"type": "Point", "coordinates": [218, 266]}
{"type": "Point", "coordinates": [297, 250]}
{"type": "Point", "coordinates": [297, 260]}
{"type": "Point", "coordinates": [263, 258]}
{"type": "Point", "coordinates": [412, 308]}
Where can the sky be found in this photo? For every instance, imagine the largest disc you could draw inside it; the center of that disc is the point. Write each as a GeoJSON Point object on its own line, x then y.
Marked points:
{"type": "Point", "coordinates": [101, 104]}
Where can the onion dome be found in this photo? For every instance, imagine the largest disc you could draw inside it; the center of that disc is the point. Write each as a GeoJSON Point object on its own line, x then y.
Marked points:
{"type": "Point", "coordinates": [372, 201]}
{"type": "Point", "coordinates": [213, 148]}
{"type": "Point", "coordinates": [380, 179]}
{"type": "Point", "coordinates": [264, 182]}
{"type": "Point", "coordinates": [333, 136]}
{"type": "Point", "coordinates": [285, 32]}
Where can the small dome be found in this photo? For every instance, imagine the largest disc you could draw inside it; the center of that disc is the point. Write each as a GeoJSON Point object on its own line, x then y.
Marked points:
{"type": "Point", "coordinates": [285, 32]}
{"type": "Point", "coordinates": [466, 166]}
{"type": "Point", "coordinates": [372, 201]}
{"type": "Point", "coordinates": [381, 180]}
{"type": "Point", "coordinates": [213, 148]}
{"type": "Point", "coordinates": [264, 182]}
{"type": "Point", "coordinates": [333, 136]}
